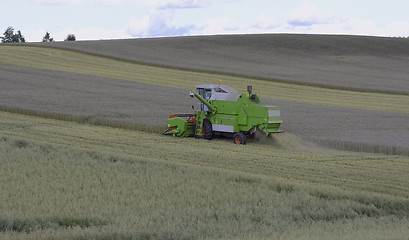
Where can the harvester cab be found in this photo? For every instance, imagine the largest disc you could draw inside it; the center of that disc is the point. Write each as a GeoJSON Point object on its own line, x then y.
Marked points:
{"type": "Point", "coordinates": [215, 92]}
{"type": "Point", "coordinates": [226, 112]}
{"type": "Point", "coordinates": [206, 94]}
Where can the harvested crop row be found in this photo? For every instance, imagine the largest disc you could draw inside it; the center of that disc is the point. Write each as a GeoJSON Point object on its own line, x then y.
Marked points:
{"type": "Point", "coordinates": [106, 101]}
{"type": "Point", "coordinates": [350, 62]}
{"type": "Point", "coordinates": [47, 58]}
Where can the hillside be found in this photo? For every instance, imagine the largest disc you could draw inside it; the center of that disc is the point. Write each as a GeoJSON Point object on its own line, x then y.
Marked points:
{"type": "Point", "coordinates": [83, 158]}
{"type": "Point", "coordinates": [48, 80]}
{"type": "Point", "coordinates": [369, 63]}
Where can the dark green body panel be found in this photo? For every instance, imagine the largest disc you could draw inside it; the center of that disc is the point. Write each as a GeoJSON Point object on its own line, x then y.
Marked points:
{"type": "Point", "coordinates": [245, 114]}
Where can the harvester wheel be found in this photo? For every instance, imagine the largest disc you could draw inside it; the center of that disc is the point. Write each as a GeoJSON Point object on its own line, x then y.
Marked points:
{"type": "Point", "coordinates": [207, 130]}
{"type": "Point", "coordinates": [239, 138]}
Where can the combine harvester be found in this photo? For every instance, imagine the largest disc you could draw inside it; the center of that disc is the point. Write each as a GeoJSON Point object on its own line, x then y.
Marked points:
{"type": "Point", "coordinates": [225, 112]}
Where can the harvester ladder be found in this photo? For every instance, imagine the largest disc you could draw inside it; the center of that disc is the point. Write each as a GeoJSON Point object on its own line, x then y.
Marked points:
{"type": "Point", "coordinates": [200, 116]}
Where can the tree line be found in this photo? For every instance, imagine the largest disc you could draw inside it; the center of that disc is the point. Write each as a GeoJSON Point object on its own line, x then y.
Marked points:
{"type": "Point", "coordinates": [9, 36]}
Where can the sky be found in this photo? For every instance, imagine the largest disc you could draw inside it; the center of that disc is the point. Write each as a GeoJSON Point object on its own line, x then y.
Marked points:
{"type": "Point", "coordinates": [119, 19]}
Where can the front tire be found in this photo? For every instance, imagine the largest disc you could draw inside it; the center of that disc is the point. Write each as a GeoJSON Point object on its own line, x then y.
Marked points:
{"type": "Point", "coordinates": [207, 130]}
{"type": "Point", "coordinates": [239, 138]}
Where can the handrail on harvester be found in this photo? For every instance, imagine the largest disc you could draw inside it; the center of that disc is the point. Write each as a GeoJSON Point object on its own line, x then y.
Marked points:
{"type": "Point", "coordinates": [197, 95]}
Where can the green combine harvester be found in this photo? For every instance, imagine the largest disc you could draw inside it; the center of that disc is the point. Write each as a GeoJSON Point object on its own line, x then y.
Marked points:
{"type": "Point", "coordinates": [225, 112]}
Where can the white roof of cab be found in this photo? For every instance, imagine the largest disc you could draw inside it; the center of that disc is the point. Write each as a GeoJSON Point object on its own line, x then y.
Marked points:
{"type": "Point", "coordinates": [227, 92]}
{"type": "Point", "coordinates": [215, 86]}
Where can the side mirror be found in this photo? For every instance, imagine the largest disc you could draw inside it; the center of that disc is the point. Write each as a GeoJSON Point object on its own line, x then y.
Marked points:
{"type": "Point", "coordinates": [191, 94]}
{"type": "Point", "coordinates": [193, 107]}
{"type": "Point", "coordinates": [249, 89]}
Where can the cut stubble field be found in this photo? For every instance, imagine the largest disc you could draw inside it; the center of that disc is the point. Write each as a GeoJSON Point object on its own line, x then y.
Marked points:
{"type": "Point", "coordinates": [52, 80]}
{"type": "Point", "coordinates": [46, 58]}
{"type": "Point", "coordinates": [351, 62]}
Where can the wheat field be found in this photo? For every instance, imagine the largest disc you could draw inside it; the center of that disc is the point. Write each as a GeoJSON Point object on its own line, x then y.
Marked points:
{"type": "Point", "coordinates": [70, 180]}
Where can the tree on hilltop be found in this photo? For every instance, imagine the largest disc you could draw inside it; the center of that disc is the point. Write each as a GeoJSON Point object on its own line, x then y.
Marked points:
{"type": "Point", "coordinates": [19, 37]}
{"type": "Point", "coordinates": [70, 37]}
{"type": "Point", "coordinates": [10, 37]}
{"type": "Point", "coordinates": [48, 38]}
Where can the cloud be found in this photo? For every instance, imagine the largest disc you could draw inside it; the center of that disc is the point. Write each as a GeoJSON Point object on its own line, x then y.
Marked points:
{"type": "Point", "coordinates": [265, 22]}
{"type": "Point", "coordinates": [226, 25]}
{"type": "Point", "coordinates": [91, 33]}
{"type": "Point", "coordinates": [157, 24]}
{"type": "Point", "coordinates": [153, 4]}
{"type": "Point", "coordinates": [357, 26]}
{"type": "Point", "coordinates": [56, 2]}
{"type": "Point", "coordinates": [219, 26]}
{"type": "Point", "coordinates": [398, 29]}
{"type": "Point", "coordinates": [80, 2]}
{"type": "Point", "coordinates": [178, 4]}
{"type": "Point", "coordinates": [309, 14]}
{"type": "Point", "coordinates": [313, 19]}
{"type": "Point", "coordinates": [158, 21]}
{"type": "Point", "coordinates": [307, 19]}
